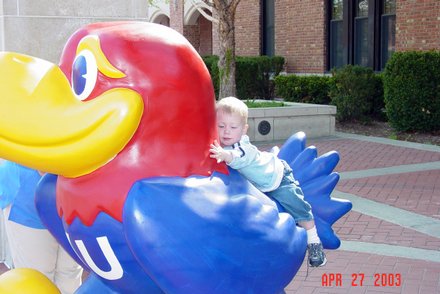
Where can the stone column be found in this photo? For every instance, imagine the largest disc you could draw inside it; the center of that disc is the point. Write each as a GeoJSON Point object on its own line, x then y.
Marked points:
{"type": "Point", "coordinates": [176, 15]}
{"type": "Point", "coordinates": [215, 34]}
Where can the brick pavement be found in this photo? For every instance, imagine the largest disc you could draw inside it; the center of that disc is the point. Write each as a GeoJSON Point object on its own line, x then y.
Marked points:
{"type": "Point", "coordinates": [399, 261]}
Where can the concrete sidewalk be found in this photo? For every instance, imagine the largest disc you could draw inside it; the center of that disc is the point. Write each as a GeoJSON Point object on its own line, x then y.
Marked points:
{"type": "Point", "coordinates": [391, 238]}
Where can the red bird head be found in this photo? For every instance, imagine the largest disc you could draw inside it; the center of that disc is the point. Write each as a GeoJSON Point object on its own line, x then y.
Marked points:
{"type": "Point", "coordinates": [138, 102]}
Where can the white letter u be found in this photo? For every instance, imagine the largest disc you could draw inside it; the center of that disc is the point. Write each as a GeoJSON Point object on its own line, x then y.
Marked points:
{"type": "Point", "coordinates": [115, 271]}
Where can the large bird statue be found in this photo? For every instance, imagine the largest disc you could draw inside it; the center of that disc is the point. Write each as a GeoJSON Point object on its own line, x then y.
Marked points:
{"type": "Point", "coordinates": [123, 127]}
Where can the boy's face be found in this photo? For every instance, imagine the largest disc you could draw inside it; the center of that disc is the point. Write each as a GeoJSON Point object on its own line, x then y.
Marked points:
{"type": "Point", "coordinates": [230, 128]}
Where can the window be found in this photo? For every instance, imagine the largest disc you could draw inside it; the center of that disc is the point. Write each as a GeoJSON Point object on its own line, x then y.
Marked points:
{"type": "Point", "coordinates": [337, 58]}
{"type": "Point", "coordinates": [361, 32]}
{"type": "Point", "coordinates": [268, 40]}
{"type": "Point", "coordinates": [388, 35]}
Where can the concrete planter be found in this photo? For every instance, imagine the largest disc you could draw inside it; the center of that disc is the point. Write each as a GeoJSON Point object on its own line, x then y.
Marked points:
{"type": "Point", "coordinates": [279, 123]}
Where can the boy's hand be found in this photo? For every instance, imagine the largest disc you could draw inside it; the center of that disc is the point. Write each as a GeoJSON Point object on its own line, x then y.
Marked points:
{"type": "Point", "coordinates": [219, 153]}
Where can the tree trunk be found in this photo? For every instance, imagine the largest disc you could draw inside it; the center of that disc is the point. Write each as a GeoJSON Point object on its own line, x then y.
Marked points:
{"type": "Point", "coordinates": [226, 64]}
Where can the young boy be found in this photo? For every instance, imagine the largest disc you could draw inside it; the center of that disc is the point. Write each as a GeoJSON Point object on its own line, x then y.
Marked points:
{"type": "Point", "coordinates": [265, 170]}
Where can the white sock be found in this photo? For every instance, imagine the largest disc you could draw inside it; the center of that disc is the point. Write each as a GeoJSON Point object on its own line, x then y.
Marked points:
{"type": "Point", "coordinates": [312, 236]}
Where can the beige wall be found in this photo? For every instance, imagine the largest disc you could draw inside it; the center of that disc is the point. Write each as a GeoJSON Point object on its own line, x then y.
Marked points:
{"type": "Point", "coordinates": [41, 28]}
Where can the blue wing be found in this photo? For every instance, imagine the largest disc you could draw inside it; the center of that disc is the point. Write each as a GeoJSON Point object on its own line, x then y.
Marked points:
{"type": "Point", "coordinates": [317, 180]}
{"type": "Point", "coordinates": [211, 235]}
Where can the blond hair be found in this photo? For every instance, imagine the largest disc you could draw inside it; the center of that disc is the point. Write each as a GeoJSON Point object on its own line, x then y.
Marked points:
{"type": "Point", "coordinates": [233, 105]}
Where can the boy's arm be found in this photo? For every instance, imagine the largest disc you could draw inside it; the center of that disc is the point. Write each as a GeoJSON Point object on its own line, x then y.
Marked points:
{"type": "Point", "coordinates": [238, 158]}
{"type": "Point", "coordinates": [220, 154]}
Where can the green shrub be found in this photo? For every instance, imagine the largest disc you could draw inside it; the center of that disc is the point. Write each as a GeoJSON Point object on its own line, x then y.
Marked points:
{"type": "Point", "coordinates": [355, 91]}
{"type": "Point", "coordinates": [260, 104]}
{"type": "Point", "coordinates": [412, 91]}
{"type": "Point", "coordinates": [210, 60]}
{"type": "Point", "coordinates": [318, 88]}
{"type": "Point", "coordinates": [304, 89]}
{"type": "Point", "coordinates": [247, 77]}
{"type": "Point", "coordinates": [254, 75]}
{"type": "Point", "coordinates": [211, 63]}
{"type": "Point", "coordinates": [377, 102]}
{"type": "Point", "coordinates": [287, 88]}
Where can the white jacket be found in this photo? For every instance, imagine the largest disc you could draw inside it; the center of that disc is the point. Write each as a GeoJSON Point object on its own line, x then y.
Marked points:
{"type": "Point", "coordinates": [263, 169]}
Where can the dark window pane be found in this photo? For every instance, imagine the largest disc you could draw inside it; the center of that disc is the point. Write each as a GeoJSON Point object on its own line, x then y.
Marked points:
{"type": "Point", "coordinates": [388, 40]}
{"type": "Point", "coordinates": [337, 9]}
{"type": "Point", "coordinates": [336, 44]}
{"type": "Point", "coordinates": [361, 41]}
{"type": "Point", "coordinates": [362, 8]}
{"type": "Point", "coordinates": [361, 36]}
{"type": "Point", "coordinates": [268, 28]}
{"type": "Point", "coordinates": [389, 7]}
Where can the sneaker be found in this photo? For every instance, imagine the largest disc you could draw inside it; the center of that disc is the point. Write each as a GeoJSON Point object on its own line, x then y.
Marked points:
{"type": "Point", "coordinates": [316, 255]}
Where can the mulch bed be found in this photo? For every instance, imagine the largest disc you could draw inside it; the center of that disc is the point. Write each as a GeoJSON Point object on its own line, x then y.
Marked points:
{"type": "Point", "coordinates": [382, 129]}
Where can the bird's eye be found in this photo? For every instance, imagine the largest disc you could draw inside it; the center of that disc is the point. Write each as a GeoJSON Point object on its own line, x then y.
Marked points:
{"type": "Point", "coordinates": [84, 74]}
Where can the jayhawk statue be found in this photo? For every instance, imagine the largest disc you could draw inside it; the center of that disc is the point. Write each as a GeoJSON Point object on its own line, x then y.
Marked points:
{"type": "Point", "coordinates": [123, 127]}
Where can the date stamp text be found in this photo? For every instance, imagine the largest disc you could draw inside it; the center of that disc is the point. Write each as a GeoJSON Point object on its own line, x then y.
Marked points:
{"type": "Point", "coordinates": [361, 279]}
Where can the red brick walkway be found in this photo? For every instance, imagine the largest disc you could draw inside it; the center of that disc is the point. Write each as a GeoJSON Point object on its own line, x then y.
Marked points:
{"type": "Point", "coordinates": [351, 271]}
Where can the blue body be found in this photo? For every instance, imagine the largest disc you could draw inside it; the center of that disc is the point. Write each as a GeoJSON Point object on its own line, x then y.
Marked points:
{"type": "Point", "coordinates": [215, 234]}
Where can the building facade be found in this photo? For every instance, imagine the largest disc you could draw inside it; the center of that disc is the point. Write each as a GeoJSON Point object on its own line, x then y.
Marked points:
{"type": "Point", "coordinates": [317, 35]}
{"type": "Point", "coordinates": [313, 36]}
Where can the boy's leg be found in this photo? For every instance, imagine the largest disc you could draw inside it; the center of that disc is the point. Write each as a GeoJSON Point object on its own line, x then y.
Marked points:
{"type": "Point", "coordinates": [291, 198]}
{"type": "Point", "coordinates": [312, 234]}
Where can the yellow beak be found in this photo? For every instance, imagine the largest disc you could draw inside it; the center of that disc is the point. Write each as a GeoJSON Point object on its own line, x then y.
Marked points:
{"type": "Point", "coordinates": [45, 127]}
